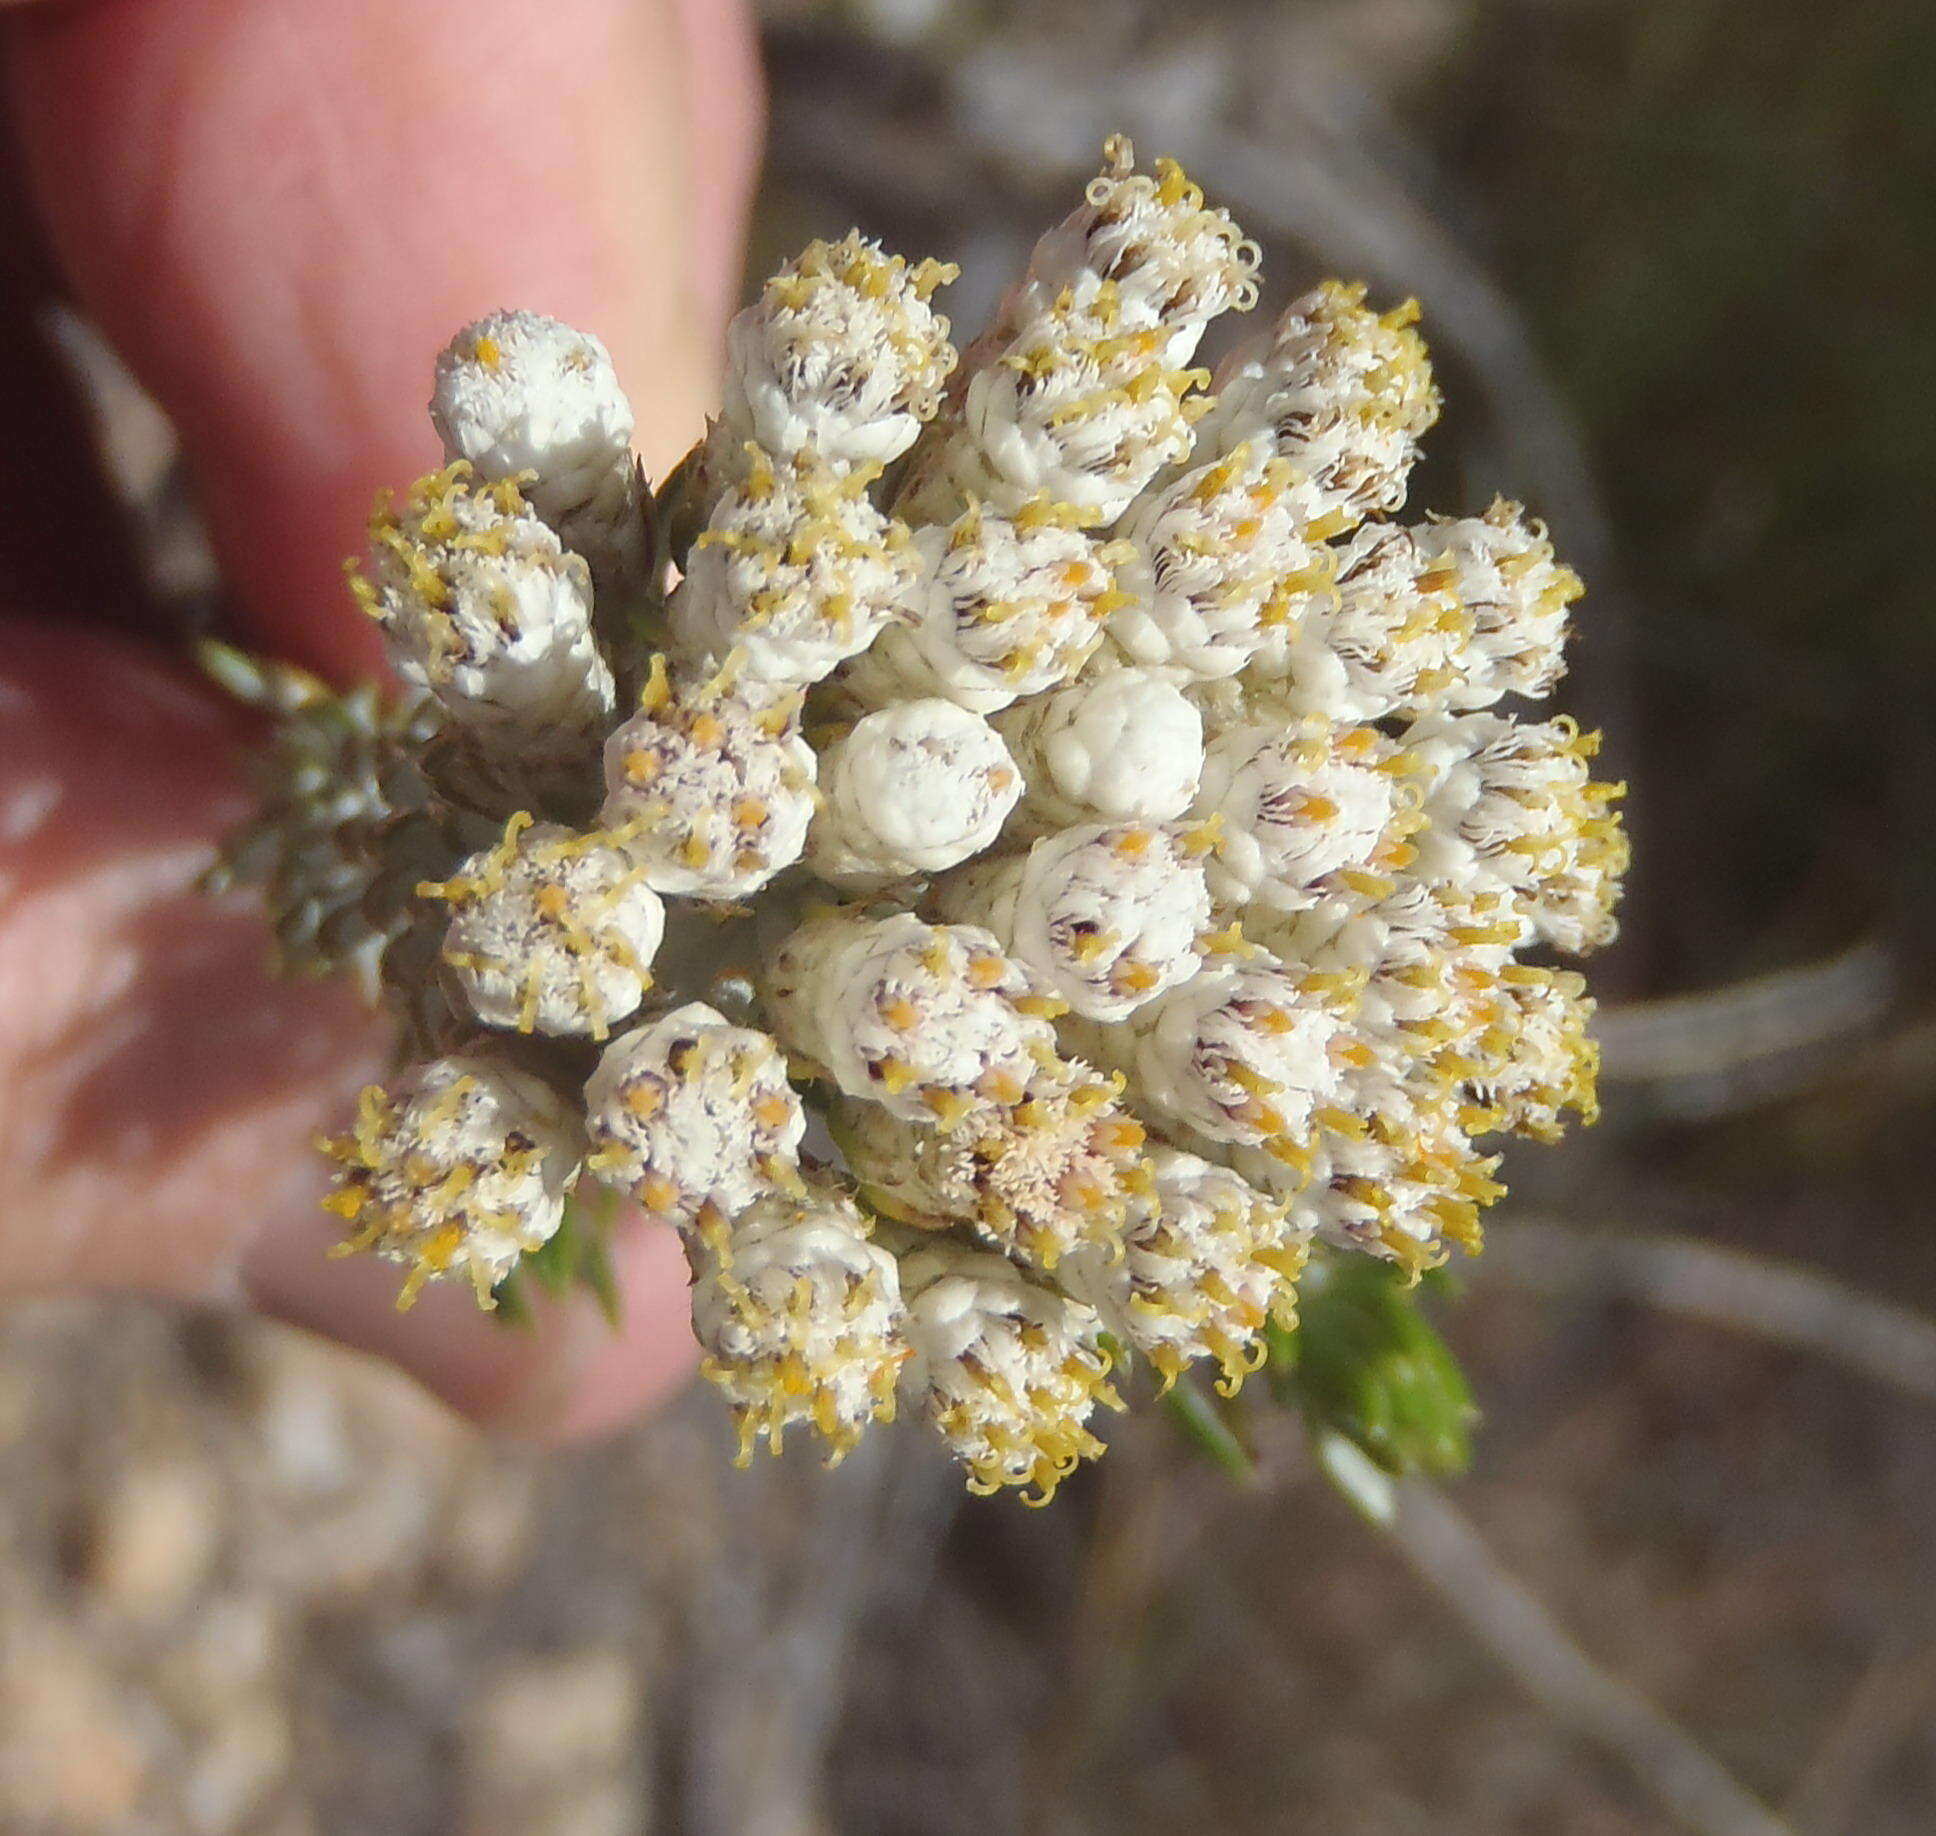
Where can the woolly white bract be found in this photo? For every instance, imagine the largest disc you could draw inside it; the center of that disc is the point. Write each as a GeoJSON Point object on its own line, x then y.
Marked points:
{"type": "Point", "coordinates": [1076, 785]}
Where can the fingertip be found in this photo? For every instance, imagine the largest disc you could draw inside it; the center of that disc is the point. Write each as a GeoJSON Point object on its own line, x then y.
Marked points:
{"type": "Point", "coordinates": [568, 1374]}
{"type": "Point", "coordinates": [281, 211]}
{"type": "Point", "coordinates": [650, 1354]}
{"type": "Point", "coordinates": [726, 92]}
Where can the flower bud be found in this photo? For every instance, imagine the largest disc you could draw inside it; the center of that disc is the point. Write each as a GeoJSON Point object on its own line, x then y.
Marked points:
{"type": "Point", "coordinates": [1106, 917]}
{"type": "Point", "coordinates": [1425, 962]}
{"type": "Point", "coordinates": [1510, 805]}
{"type": "Point", "coordinates": [1007, 606]}
{"type": "Point", "coordinates": [1403, 1183]}
{"type": "Point", "coordinates": [1173, 261]}
{"type": "Point", "coordinates": [1120, 745]}
{"type": "Point", "coordinates": [527, 399]}
{"type": "Point", "coordinates": [1037, 1178]}
{"type": "Point", "coordinates": [1218, 560]}
{"type": "Point", "coordinates": [1078, 389]}
{"type": "Point", "coordinates": [1208, 1261]}
{"type": "Point", "coordinates": [911, 789]}
{"type": "Point", "coordinates": [1305, 813]}
{"type": "Point", "coordinates": [1514, 595]}
{"type": "Point", "coordinates": [1081, 408]}
{"type": "Point", "coordinates": [841, 354]}
{"type": "Point", "coordinates": [1240, 1053]}
{"type": "Point", "coordinates": [1342, 392]}
{"type": "Point", "coordinates": [1551, 1064]}
{"type": "Point", "coordinates": [1384, 641]}
{"type": "Point", "coordinates": [481, 606]}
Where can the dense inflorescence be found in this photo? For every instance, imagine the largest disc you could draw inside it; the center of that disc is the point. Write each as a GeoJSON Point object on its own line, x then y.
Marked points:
{"type": "Point", "coordinates": [1062, 772]}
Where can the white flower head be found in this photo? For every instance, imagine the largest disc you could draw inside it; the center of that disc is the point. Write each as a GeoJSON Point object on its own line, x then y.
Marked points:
{"type": "Point", "coordinates": [457, 1168]}
{"type": "Point", "coordinates": [922, 1018]}
{"type": "Point", "coordinates": [1118, 745]}
{"type": "Point", "coordinates": [1038, 1178]}
{"type": "Point", "coordinates": [1007, 606]}
{"type": "Point", "coordinates": [1107, 916]}
{"type": "Point", "coordinates": [841, 353]}
{"type": "Point", "coordinates": [1174, 261]}
{"type": "Point", "coordinates": [1550, 1064]}
{"type": "Point", "coordinates": [1243, 1052]}
{"type": "Point", "coordinates": [1008, 1372]}
{"type": "Point", "coordinates": [911, 789]}
{"type": "Point", "coordinates": [1081, 408]}
{"type": "Point", "coordinates": [1404, 1184]}
{"type": "Point", "coordinates": [1219, 560]}
{"type": "Point", "coordinates": [480, 606]}
{"type": "Point", "coordinates": [1062, 674]}
{"type": "Point", "coordinates": [520, 393]}
{"type": "Point", "coordinates": [710, 788]}
{"type": "Point", "coordinates": [694, 1116]}
{"type": "Point", "coordinates": [1342, 392]}
{"type": "Point", "coordinates": [1514, 596]}
{"type": "Point", "coordinates": [1384, 640]}
{"type": "Point", "coordinates": [1208, 1262]}
{"type": "Point", "coordinates": [551, 931]}
{"type": "Point", "coordinates": [799, 1317]}
{"type": "Point", "coordinates": [1512, 804]}
{"type": "Point", "coordinates": [795, 571]}
{"type": "Point", "coordinates": [525, 398]}
{"type": "Point", "coordinates": [1423, 964]}
{"type": "Point", "coordinates": [1305, 812]}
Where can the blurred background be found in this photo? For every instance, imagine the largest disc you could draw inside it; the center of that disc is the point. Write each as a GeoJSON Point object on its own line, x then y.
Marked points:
{"type": "Point", "coordinates": [1676, 259]}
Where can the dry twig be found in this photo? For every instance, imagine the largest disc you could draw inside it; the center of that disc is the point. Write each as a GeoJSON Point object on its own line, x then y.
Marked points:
{"type": "Point", "coordinates": [1445, 1552]}
{"type": "Point", "coordinates": [1773, 1300]}
{"type": "Point", "coordinates": [1726, 1049]}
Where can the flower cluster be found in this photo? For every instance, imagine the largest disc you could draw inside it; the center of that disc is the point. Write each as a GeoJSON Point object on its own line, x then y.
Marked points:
{"type": "Point", "coordinates": [1061, 772]}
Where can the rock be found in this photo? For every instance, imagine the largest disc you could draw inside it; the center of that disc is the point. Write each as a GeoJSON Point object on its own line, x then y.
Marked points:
{"type": "Point", "coordinates": [149, 1539]}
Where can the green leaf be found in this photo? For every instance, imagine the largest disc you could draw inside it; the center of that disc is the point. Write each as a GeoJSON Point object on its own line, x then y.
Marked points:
{"type": "Point", "coordinates": [261, 682]}
{"type": "Point", "coordinates": [577, 1254]}
{"type": "Point", "coordinates": [595, 1271]}
{"type": "Point", "coordinates": [513, 1309]}
{"type": "Point", "coordinates": [1207, 1428]}
{"type": "Point", "coordinates": [1365, 1364]}
{"type": "Point", "coordinates": [554, 1263]}
{"type": "Point", "coordinates": [235, 670]}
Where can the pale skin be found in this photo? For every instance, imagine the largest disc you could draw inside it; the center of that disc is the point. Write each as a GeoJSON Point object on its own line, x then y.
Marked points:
{"type": "Point", "coordinates": [278, 210]}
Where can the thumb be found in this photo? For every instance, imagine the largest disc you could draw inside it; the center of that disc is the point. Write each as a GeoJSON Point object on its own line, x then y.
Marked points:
{"type": "Point", "coordinates": [279, 212]}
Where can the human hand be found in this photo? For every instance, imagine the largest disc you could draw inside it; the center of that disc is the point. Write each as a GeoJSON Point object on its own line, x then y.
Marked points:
{"type": "Point", "coordinates": [278, 212]}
